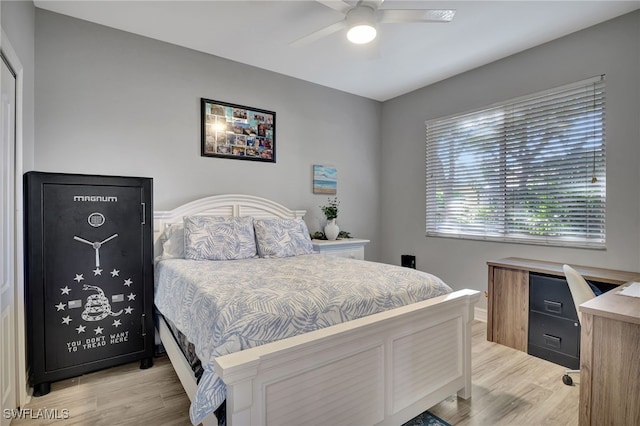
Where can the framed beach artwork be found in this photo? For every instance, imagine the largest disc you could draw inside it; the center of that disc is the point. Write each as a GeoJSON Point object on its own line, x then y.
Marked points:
{"type": "Point", "coordinates": [237, 131]}
{"type": "Point", "coordinates": [325, 180]}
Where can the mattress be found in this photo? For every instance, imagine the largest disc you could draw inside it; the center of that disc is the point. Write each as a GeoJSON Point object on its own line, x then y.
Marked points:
{"type": "Point", "coordinates": [187, 348]}
{"type": "Point", "coordinates": [227, 306]}
{"type": "Point", "coordinates": [189, 353]}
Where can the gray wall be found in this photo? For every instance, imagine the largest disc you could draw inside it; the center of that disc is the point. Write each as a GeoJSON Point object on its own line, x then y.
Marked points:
{"type": "Point", "coordinates": [110, 102]}
{"type": "Point", "coordinates": [18, 23]}
{"type": "Point", "coordinates": [115, 103]}
{"type": "Point", "coordinates": [611, 48]}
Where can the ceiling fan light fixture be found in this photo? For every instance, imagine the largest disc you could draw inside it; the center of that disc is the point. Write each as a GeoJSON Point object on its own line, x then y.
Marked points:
{"type": "Point", "coordinates": [361, 34]}
{"type": "Point", "coordinates": [361, 22]}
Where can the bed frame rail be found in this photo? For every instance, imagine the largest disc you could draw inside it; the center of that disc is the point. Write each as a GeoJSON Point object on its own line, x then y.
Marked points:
{"type": "Point", "coordinates": [383, 369]}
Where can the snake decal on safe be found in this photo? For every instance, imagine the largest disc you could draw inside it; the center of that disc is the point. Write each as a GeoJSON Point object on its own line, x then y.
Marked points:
{"type": "Point", "coordinates": [97, 307]}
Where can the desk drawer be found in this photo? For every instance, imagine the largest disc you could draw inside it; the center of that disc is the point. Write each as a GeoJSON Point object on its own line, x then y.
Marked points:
{"type": "Point", "coordinates": [551, 295]}
{"type": "Point", "coordinates": [571, 362]}
{"type": "Point", "coordinates": [554, 334]}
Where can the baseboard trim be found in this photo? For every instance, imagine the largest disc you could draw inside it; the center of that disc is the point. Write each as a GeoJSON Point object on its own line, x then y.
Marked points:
{"type": "Point", "coordinates": [480, 314]}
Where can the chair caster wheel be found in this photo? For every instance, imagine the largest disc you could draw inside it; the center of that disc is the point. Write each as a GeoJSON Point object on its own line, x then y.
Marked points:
{"type": "Point", "coordinates": [567, 380]}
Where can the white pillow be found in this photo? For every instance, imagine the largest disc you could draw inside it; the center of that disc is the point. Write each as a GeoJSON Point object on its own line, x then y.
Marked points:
{"type": "Point", "coordinates": [218, 238]}
{"type": "Point", "coordinates": [173, 242]}
{"type": "Point", "coordinates": [282, 237]}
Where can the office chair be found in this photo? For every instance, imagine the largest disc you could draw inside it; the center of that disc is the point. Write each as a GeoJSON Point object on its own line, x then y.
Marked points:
{"type": "Point", "coordinates": [580, 292]}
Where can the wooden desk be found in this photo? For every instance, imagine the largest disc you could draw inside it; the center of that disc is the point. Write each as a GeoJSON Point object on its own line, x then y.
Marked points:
{"type": "Point", "coordinates": [610, 360]}
{"type": "Point", "coordinates": [508, 288]}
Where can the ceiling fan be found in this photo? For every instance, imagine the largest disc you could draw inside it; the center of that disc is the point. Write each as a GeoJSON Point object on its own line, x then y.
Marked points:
{"type": "Point", "coordinates": [362, 19]}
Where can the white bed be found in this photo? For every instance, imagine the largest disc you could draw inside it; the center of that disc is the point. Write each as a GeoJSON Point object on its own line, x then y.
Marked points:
{"type": "Point", "coordinates": [384, 368]}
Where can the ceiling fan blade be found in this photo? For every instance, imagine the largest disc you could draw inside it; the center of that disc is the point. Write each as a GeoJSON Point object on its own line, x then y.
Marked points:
{"type": "Point", "coordinates": [338, 5]}
{"type": "Point", "coordinates": [317, 35]}
{"type": "Point", "coordinates": [401, 16]}
{"type": "Point", "coordinates": [375, 4]}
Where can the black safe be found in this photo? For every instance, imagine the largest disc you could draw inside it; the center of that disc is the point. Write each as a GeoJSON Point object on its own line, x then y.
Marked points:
{"type": "Point", "coordinates": [88, 274]}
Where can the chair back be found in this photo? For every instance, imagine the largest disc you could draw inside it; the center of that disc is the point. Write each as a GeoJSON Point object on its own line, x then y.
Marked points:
{"type": "Point", "coordinates": [580, 290]}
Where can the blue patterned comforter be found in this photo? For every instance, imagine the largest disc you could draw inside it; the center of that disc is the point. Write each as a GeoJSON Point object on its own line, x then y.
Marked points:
{"type": "Point", "coordinates": [227, 306]}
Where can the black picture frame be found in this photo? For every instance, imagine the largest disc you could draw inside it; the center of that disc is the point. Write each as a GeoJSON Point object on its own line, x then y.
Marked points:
{"type": "Point", "coordinates": [238, 132]}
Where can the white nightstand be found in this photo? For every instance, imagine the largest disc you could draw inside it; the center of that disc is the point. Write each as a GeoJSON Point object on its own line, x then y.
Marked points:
{"type": "Point", "coordinates": [352, 248]}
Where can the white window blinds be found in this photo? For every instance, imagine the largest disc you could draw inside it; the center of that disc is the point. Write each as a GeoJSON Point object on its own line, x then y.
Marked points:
{"type": "Point", "coordinates": [529, 170]}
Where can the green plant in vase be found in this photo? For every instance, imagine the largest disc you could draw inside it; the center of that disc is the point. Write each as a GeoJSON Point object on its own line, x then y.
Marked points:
{"type": "Point", "coordinates": [330, 210]}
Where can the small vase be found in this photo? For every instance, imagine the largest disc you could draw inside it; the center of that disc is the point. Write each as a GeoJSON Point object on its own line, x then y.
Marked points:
{"type": "Point", "coordinates": [331, 230]}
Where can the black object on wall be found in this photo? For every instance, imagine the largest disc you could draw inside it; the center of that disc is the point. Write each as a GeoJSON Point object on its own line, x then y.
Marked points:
{"type": "Point", "coordinates": [408, 261]}
{"type": "Point", "coordinates": [89, 274]}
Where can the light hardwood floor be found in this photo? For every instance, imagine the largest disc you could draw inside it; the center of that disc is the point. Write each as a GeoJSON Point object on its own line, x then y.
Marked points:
{"type": "Point", "coordinates": [512, 388]}
{"type": "Point", "coordinates": [509, 388]}
{"type": "Point", "coordinates": [123, 395]}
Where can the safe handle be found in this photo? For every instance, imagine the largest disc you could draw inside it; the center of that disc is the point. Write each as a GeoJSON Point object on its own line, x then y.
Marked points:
{"type": "Point", "coordinates": [143, 323]}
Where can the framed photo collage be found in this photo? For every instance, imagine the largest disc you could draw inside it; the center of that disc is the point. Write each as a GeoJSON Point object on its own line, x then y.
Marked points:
{"type": "Point", "coordinates": [238, 132]}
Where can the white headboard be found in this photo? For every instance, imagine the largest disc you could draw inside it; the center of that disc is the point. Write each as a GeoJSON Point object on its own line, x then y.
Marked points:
{"type": "Point", "coordinates": [228, 205]}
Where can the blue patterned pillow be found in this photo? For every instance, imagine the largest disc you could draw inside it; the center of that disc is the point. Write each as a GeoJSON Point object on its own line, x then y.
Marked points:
{"type": "Point", "coordinates": [282, 237]}
{"type": "Point", "coordinates": [218, 238]}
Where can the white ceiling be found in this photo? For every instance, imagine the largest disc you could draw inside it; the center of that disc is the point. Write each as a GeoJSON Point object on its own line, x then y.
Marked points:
{"type": "Point", "coordinates": [405, 57]}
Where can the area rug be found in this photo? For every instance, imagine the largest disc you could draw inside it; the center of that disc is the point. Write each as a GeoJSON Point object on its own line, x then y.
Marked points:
{"type": "Point", "coordinates": [426, 419]}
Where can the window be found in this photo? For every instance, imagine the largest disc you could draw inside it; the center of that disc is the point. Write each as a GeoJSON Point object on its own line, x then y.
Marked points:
{"type": "Point", "coordinates": [529, 170]}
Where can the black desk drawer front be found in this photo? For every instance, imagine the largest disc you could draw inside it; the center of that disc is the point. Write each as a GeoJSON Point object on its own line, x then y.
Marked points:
{"type": "Point", "coordinates": [557, 334]}
{"type": "Point", "coordinates": [552, 296]}
{"type": "Point", "coordinates": [554, 339]}
{"type": "Point", "coordinates": [569, 361]}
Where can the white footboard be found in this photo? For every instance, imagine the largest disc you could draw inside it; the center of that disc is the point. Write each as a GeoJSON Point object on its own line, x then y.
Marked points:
{"type": "Point", "coordinates": [383, 369]}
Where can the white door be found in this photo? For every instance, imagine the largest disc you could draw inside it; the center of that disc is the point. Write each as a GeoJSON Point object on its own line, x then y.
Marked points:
{"type": "Point", "coordinates": [7, 243]}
